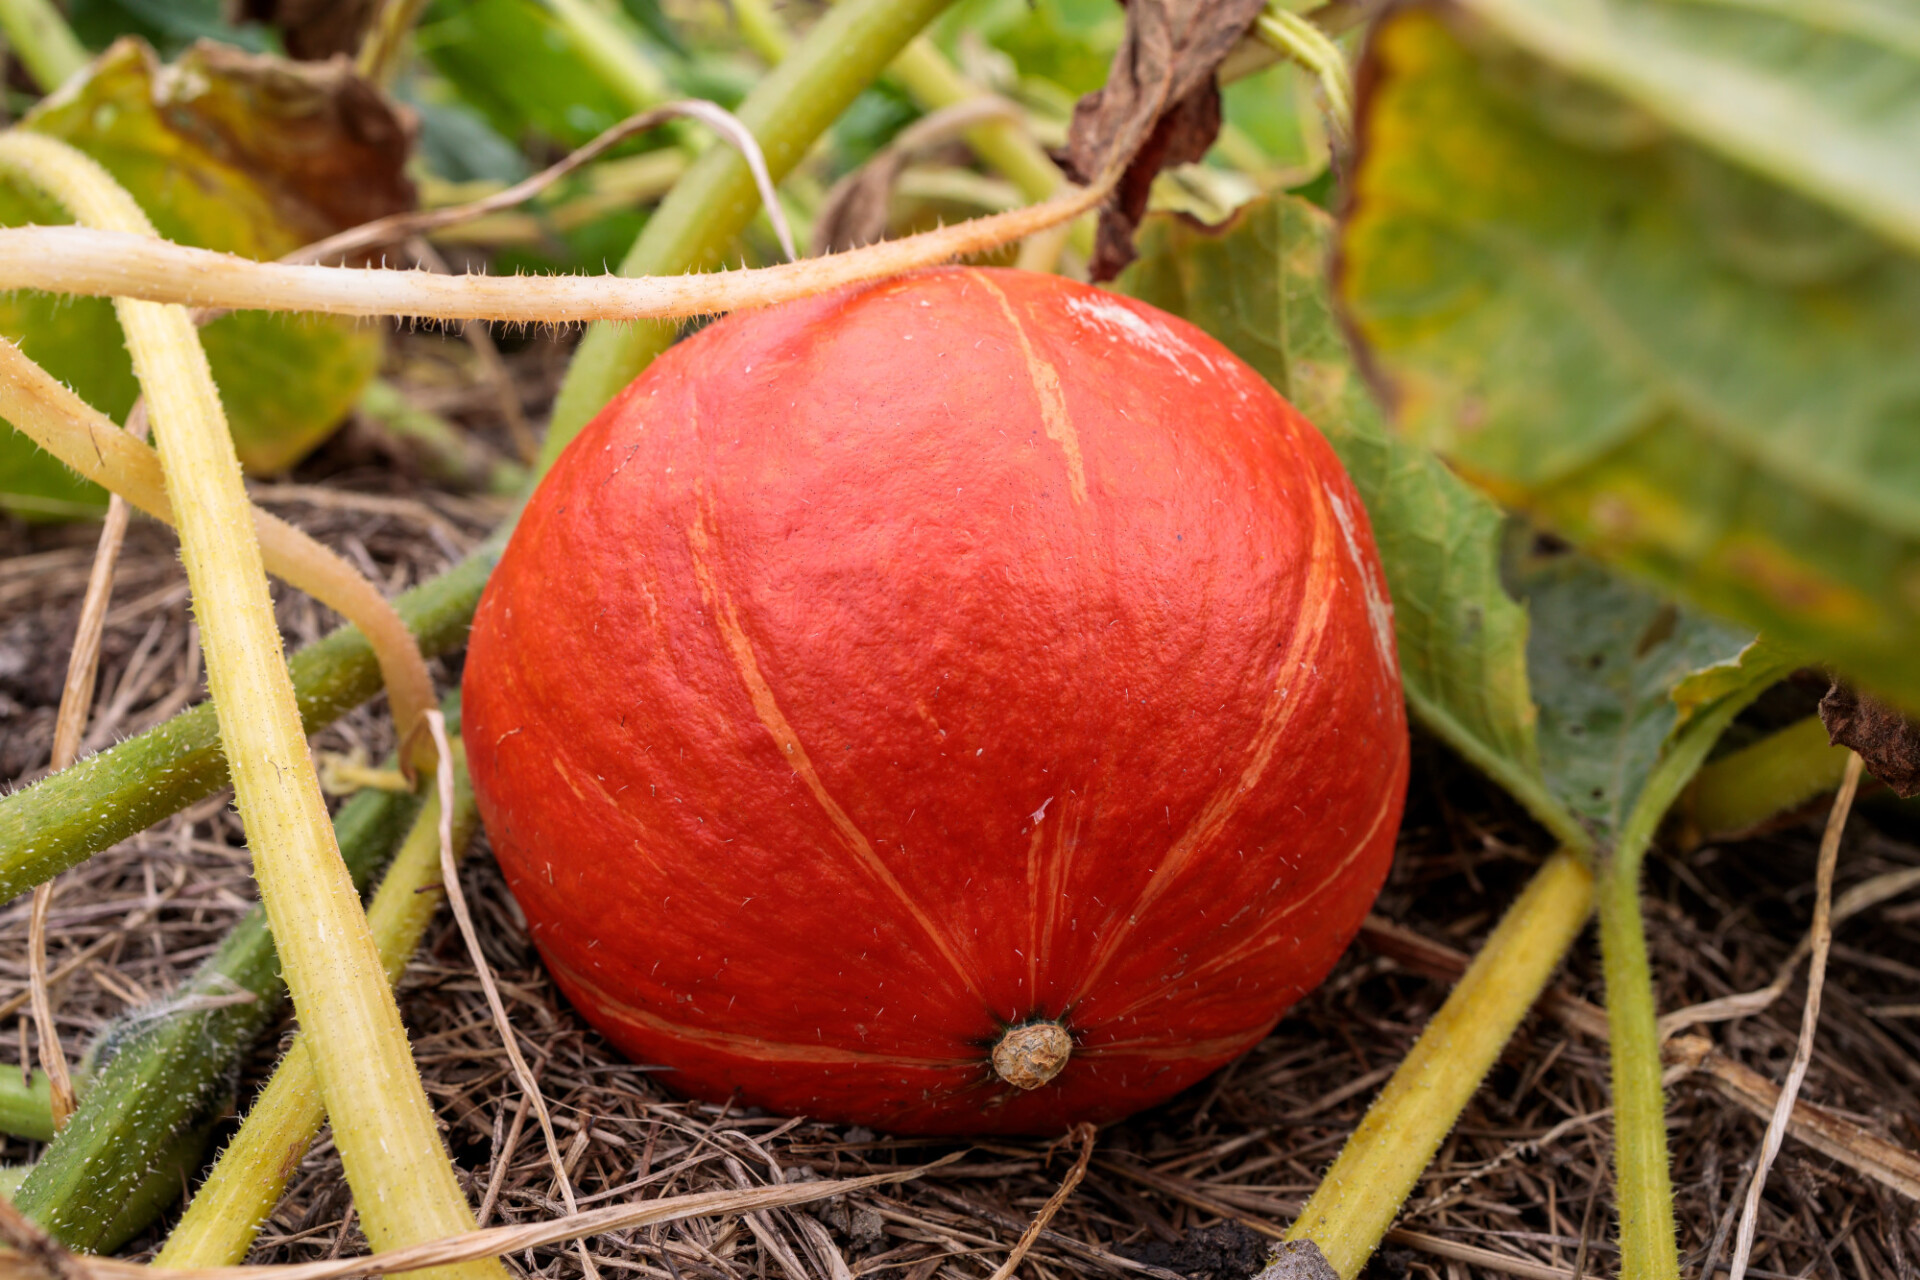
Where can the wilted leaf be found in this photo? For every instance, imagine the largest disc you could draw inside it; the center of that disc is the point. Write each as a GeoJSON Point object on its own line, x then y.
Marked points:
{"type": "Point", "coordinates": [1602, 658]}
{"type": "Point", "coordinates": [1672, 361]}
{"type": "Point", "coordinates": [1159, 107]}
{"type": "Point", "coordinates": [229, 151]}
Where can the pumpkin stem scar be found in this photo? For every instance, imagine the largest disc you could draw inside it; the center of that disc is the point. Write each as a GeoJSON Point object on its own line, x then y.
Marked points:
{"type": "Point", "coordinates": [1029, 1056]}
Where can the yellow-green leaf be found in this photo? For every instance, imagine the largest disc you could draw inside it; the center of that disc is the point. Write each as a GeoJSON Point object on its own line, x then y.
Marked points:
{"type": "Point", "coordinates": [1642, 341]}
{"type": "Point", "coordinates": [1822, 97]}
{"type": "Point", "coordinates": [230, 151]}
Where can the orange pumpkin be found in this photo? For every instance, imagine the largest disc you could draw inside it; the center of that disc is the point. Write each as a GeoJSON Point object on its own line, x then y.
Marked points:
{"type": "Point", "coordinates": [960, 704]}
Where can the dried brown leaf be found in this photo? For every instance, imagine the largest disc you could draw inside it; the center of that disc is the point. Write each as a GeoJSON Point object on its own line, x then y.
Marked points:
{"type": "Point", "coordinates": [1885, 739]}
{"type": "Point", "coordinates": [1159, 107]}
{"type": "Point", "coordinates": [313, 29]}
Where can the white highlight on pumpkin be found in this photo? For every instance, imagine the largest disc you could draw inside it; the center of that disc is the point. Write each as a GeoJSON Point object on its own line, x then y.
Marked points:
{"type": "Point", "coordinates": [1041, 812]}
{"type": "Point", "coordinates": [1379, 612]}
{"type": "Point", "coordinates": [1142, 331]}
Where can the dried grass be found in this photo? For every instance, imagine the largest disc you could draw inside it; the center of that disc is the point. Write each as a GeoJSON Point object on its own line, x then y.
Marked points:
{"type": "Point", "coordinates": [1521, 1187]}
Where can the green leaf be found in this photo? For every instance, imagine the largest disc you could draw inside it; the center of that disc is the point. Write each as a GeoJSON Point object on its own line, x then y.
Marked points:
{"type": "Point", "coordinates": [171, 24]}
{"type": "Point", "coordinates": [1670, 359]}
{"type": "Point", "coordinates": [511, 61]}
{"type": "Point", "coordinates": [1609, 661]}
{"type": "Point", "coordinates": [225, 151]}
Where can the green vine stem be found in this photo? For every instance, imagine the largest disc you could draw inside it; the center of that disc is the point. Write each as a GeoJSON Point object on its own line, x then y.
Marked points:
{"type": "Point", "coordinates": [1649, 1248]}
{"type": "Point", "coordinates": [226, 1213]}
{"type": "Point", "coordinates": [26, 1106]}
{"type": "Point", "coordinates": [383, 1125]}
{"type": "Point", "coordinates": [1775, 775]}
{"type": "Point", "coordinates": [763, 30]}
{"type": "Point", "coordinates": [165, 1071]}
{"type": "Point", "coordinates": [1357, 1200]}
{"type": "Point", "coordinates": [790, 107]}
{"type": "Point", "coordinates": [43, 41]}
{"type": "Point", "coordinates": [602, 45]}
{"type": "Point", "coordinates": [1286, 32]}
{"type": "Point", "coordinates": [1644, 1187]}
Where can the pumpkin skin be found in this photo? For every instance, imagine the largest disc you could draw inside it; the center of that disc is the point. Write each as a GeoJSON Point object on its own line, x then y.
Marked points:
{"type": "Point", "coordinates": [892, 668]}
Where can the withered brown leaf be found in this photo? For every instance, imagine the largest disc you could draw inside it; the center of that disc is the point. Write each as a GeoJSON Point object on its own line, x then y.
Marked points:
{"type": "Point", "coordinates": [1159, 107]}
{"type": "Point", "coordinates": [1887, 742]}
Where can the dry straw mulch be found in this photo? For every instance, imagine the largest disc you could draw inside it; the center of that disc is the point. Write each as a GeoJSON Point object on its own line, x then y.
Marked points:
{"type": "Point", "coordinates": [1191, 1188]}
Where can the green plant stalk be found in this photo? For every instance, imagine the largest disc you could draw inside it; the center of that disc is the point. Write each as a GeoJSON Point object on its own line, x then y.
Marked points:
{"type": "Point", "coordinates": [162, 1074]}
{"type": "Point", "coordinates": [1649, 1236]}
{"type": "Point", "coordinates": [378, 58]}
{"type": "Point", "coordinates": [933, 83]}
{"type": "Point", "coordinates": [445, 453]}
{"type": "Point", "coordinates": [43, 41]}
{"type": "Point", "coordinates": [226, 1213]}
{"type": "Point", "coordinates": [792, 106]}
{"type": "Point", "coordinates": [763, 30]}
{"type": "Point", "coordinates": [384, 1127]}
{"type": "Point", "coordinates": [611, 53]}
{"type": "Point", "coordinates": [1649, 1247]}
{"type": "Point", "coordinates": [1360, 1195]}
{"type": "Point", "coordinates": [1288, 33]}
{"type": "Point", "coordinates": [1778, 773]}
{"type": "Point", "coordinates": [26, 1106]}
{"type": "Point", "coordinates": [106, 798]}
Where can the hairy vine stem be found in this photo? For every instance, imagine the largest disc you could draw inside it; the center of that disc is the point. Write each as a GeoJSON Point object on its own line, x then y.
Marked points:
{"type": "Point", "coordinates": [1361, 1194]}
{"type": "Point", "coordinates": [83, 261]}
{"type": "Point", "coordinates": [230, 1207]}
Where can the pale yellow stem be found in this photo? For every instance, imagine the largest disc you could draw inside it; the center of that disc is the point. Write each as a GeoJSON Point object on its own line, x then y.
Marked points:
{"type": "Point", "coordinates": [1361, 1194]}
{"type": "Point", "coordinates": [1764, 779]}
{"type": "Point", "coordinates": [87, 440]}
{"type": "Point", "coordinates": [42, 41]}
{"type": "Point", "coordinates": [763, 31]}
{"type": "Point", "coordinates": [226, 1213]}
{"type": "Point", "coordinates": [1006, 145]}
{"type": "Point", "coordinates": [383, 1125]}
{"type": "Point", "coordinates": [378, 58]}
{"type": "Point", "coordinates": [78, 260]}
